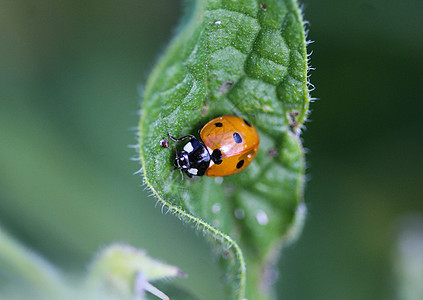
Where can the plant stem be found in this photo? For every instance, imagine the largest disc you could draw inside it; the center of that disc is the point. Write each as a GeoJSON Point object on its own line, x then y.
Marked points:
{"type": "Point", "coordinates": [29, 267]}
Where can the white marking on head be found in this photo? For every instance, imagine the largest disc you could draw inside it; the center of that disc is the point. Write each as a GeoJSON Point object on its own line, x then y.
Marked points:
{"type": "Point", "coordinates": [188, 147]}
{"type": "Point", "coordinates": [193, 171]}
{"type": "Point", "coordinates": [262, 218]}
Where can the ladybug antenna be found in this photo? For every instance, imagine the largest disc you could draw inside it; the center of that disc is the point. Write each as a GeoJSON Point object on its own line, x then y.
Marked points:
{"type": "Point", "coordinates": [172, 137]}
{"type": "Point", "coordinates": [180, 139]}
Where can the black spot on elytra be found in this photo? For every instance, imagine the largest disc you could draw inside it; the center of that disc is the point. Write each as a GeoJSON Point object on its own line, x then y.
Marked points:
{"type": "Point", "coordinates": [237, 138]}
{"type": "Point", "coordinates": [218, 124]}
{"type": "Point", "coordinates": [216, 156]}
{"type": "Point", "coordinates": [247, 123]}
{"type": "Point", "coordinates": [240, 164]}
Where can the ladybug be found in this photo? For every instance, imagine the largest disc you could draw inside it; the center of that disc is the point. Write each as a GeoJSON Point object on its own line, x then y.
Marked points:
{"type": "Point", "coordinates": [229, 144]}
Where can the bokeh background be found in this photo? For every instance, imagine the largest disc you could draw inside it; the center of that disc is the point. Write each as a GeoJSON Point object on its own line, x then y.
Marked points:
{"type": "Point", "coordinates": [70, 75]}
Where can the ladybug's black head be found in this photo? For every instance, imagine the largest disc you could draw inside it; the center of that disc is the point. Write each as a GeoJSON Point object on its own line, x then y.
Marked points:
{"type": "Point", "coordinates": [181, 160]}
{"type": "Point", "coordinates": [194, 159]}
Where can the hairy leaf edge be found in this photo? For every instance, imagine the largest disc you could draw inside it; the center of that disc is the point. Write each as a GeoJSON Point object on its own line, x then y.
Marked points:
{"type": "Point", "coordinates": [198, 223]}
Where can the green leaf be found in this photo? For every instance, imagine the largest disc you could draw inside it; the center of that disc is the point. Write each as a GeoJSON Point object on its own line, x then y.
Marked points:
{"type": "Point", "coordinates": [234, 57]}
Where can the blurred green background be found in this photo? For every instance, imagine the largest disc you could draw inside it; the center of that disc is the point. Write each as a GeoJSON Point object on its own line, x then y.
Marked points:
{"type": "Point", "coordinates": [70, 72]}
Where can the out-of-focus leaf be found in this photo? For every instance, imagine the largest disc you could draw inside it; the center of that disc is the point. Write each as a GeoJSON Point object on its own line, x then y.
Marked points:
{"type": "Point", "coordinates": [128, 270]}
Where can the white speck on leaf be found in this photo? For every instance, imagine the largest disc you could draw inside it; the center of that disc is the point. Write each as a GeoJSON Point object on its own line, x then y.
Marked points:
{"type": "Point", "coordinates": [239, 213]}
{"type": "Point", "coordinates": [262, 218]}
{"type": "Point", "coordinates": [216, 208]}
{"type": "Point", "coordinates": [218, 180]}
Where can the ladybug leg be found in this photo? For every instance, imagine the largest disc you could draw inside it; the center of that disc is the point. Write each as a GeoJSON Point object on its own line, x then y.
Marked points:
{"type": "Point", "coordinates": [176, 167]}
{"type": "Point", "coordinates": [181, 138]}
{"type": "Point", "coordinates": [202, 125]}
{"type": "Point", "coordinates": [182, 173]}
